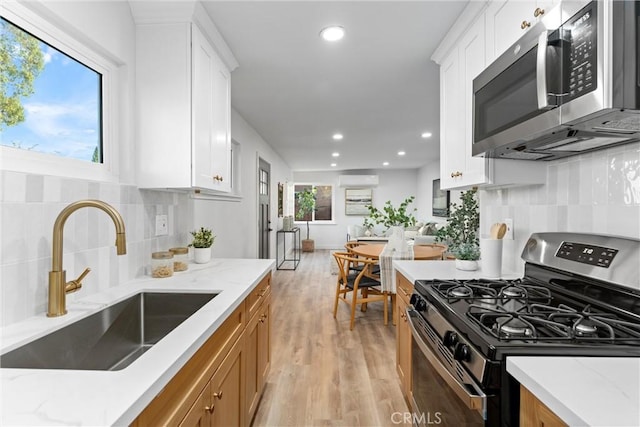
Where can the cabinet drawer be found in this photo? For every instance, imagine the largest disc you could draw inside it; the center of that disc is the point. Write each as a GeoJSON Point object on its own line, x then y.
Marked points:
{"type": "Point", "coordinates": [255, 298]}
{"type": "Point", "coordinates": [404, 287]}
{"type": "Point", "coordinates": [172, 404]}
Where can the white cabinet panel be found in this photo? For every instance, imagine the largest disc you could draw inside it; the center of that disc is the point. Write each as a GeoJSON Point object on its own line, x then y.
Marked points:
{"type": "Point", "coordinates": [183, 110]}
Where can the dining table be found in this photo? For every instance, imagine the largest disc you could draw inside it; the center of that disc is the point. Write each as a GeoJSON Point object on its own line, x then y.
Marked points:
{"type": "Point", "coordinates": [432, 251]}
{"type": "Point", "coordinates": [376, 251]}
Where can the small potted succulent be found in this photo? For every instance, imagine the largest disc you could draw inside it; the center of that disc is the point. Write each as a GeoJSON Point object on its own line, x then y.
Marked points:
{"type": "Point", "coordinates": [461, 231]}
{"type": "Point", "coordinates": [201, 243]}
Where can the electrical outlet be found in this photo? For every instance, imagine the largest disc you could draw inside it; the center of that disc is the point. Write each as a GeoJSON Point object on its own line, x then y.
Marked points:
{"type": "Point", "coordinates": [509, 223]}
{"type": "Point", "coordinates": [162, 227]}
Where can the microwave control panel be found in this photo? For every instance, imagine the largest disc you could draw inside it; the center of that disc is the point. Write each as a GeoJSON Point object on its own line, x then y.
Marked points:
{"type": "Point", "coordinates": [583, 52]}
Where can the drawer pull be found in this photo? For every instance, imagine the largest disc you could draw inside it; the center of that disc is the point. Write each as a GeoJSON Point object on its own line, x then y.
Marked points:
{"type": "Point", "coordinates": [209, 409]}
{"type": "Point", "coordinates": [525, 24]}
{"type": "Point", "coordinates": [218, 395]}
{"type": "Point", "coordinates": [456, 174]}
{"type": "Point", "coordinates": [538, 12]}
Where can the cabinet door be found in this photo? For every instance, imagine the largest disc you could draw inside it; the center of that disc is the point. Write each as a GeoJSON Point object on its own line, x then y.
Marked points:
{"type": "Point", "coordinates": [508, 20]}
{"type": "Point", "coordinates": [227, 389]}
{"type": "Point", "coordinates": [264, 342]}
{"type": "Point", "coordinates": [258, 354]}
{"type": "Point", "coordinates": [211, 152]}
{"type": "Point", "coordinates": [458, 166]}
{"type": "Point", "coordinates": [200, 413]}
{"type": "Point", "coordinates": [403, 337]}
{"type": "Point", "coordinates": [451, 132]}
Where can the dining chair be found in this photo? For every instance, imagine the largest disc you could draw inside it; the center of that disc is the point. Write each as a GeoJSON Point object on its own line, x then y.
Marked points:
{"type": "Point", "coordinates": [350, 282]}
{"type": "Point", "coordinates": [357, 267]}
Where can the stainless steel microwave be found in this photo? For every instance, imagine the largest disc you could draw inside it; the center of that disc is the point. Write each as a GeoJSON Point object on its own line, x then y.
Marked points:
{"type": "Point", "coordinates": [570, 85]}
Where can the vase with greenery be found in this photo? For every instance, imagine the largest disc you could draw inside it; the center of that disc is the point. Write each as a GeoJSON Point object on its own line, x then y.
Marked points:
{"type": "Point", "coordinates": [202, 241]}
{"type": "Point", "coordinates": [306, 205]}
{"type": "Point", "coordinates": [461, 230]}
{"type": "Point", "coordinates": [389, 216]}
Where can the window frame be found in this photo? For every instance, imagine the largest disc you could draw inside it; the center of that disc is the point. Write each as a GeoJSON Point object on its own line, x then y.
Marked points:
{"type": "Point", "coordinates": [313, 214]}
{"type": "Point", "coordinates": [32, 162]}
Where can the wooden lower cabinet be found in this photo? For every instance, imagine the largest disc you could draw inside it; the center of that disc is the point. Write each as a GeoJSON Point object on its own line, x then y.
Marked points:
{"type": "Point", "coordinates": [534, 413]}
{"type": "Point", "coordinates": [258, 346]}
{"type": "Point", "coordinates": [222, 383]}
{"type": "Point", "coordinates": [404, 289]}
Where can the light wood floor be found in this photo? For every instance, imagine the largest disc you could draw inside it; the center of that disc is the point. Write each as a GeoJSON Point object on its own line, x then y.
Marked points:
{"type": "Point", "coordinates": [323, 374]}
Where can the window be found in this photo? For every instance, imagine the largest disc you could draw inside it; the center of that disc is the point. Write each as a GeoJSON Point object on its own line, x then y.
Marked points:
{"type": "Point", "coordinates": [51, 103]}
{"type": "Point", "coordinates": [324, 202]}
{"type": "Point", "coordinates": [56, 98]}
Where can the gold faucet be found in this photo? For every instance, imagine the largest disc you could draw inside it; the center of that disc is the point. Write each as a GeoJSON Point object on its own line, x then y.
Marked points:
{"type": "Point", "coordinates": [58, 286]}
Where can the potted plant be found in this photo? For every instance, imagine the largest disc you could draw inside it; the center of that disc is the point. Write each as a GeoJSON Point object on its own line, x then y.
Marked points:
{"type": "Point", "coordinates": [461, 231]}
{"type": "Point", "coordinates": [201, 243]}
{"type": "Point", "coordinates": [306, 205]}
{"type": "Point", "coordinates": [390, 216]}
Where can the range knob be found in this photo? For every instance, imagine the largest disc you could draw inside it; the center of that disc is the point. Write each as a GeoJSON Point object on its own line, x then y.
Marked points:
{"type": "Point", "coordinates": [450, 339]}
{"type": "Point", "coordinates": [462, 353]}
{"type": "Point", "coordinates": [419, 304]}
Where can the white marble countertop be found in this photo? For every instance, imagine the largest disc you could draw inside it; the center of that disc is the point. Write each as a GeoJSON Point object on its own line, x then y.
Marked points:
{"type": "Point", "coordinates": [583, 391]}
{"type": "Point", "coordinates": [415, 270]}
{"type": "Point", "coordinates": [100, 398]}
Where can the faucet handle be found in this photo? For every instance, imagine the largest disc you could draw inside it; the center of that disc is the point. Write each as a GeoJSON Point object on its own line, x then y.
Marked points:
{"type": "Point", "coordinates": [74, 285]}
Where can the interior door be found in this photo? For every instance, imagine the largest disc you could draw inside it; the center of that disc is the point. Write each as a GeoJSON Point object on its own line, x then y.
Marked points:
{"type": "Point", "coordinates": [264, 217]}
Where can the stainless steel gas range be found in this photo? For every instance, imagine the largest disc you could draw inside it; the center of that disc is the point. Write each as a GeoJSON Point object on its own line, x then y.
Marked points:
{"type": "Point", "coordinates": [580, 296]}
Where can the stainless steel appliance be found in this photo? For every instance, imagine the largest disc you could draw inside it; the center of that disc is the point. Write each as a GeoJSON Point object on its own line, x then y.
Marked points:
{"type": "Point", "coordinates": [580, 296]}
{"type": "Point", "coordinates": [570, 85]}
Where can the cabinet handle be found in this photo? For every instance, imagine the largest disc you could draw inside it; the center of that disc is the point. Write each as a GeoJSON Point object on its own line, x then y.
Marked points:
{"type": "Point", "coordinates": [218, 395]}
{"type": "Point", "coordinates": [209, 409]}
{"type": "Point", "coordinates": [263, 318]}
{"type": "Point", "coordinates": [218, 178]}
{"type": "Point", "coordinates": [456, 174]}
{"type": "Point", "coordinates": [406, 294]}
{"type": "Point", "coordinates": [538, 12]}
{"type": "Point", "coordinates": [525, 24]}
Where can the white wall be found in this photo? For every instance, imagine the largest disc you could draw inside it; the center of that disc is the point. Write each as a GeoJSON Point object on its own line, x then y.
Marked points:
{"type": "Point", "coordinates": [235, 224]}
{"type": "Point", "coordinates": [592, 193]}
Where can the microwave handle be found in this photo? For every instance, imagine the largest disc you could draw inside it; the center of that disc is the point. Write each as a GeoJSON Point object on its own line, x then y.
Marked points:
{"type": "Point", "coordinates": [541, 72]}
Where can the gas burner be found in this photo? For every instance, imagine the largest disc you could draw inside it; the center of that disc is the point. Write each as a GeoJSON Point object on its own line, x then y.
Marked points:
{"type": "Point", "coordinates": [513, 291]}
{"type": "Point", "coordinates": [460, 292]}
{"type": "Point", "coordinates": [585, 328]}
{"type": "Point", "coordinates": [513, 328]}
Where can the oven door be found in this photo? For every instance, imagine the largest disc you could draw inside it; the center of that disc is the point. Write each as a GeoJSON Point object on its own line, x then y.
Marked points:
{"type": "Point", "coordinates": [438, 397]}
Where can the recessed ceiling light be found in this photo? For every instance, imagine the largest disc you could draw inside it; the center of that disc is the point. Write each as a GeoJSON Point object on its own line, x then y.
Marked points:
{"type": "Point", "coordinates": [336, 154]}
{"type": "Point", "coordinates": [426, 135]}
{"type": "Point", "coordinates": [332, 34]}
{"type": "Point", "coordinates": [401, 153]}
{"type": "Point", "coordinates": [337, 136]}
{"type": "Point", "coordinates": [333, 165]}
{"type": "Point", "coordinates": [385, 164]}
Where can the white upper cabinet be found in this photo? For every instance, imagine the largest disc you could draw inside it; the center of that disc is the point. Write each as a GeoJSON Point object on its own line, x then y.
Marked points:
{"type": "Point", "coordinates": [507, 20]}
{"type": "Point", "coordinates": [457, 165]}
{"type": "Point", "coordinates": [183, 116]}
{"type": "Point", "coordinates": [462, 56]}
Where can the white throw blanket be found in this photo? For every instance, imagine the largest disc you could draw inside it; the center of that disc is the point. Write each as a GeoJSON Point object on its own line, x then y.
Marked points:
{"type": "Point", "coordinates": [388, 254]}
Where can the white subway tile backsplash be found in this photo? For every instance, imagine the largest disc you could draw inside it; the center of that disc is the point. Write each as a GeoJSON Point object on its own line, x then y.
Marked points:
{"type": "Point", "coordinates": [590, 193]}
{"type": "Point", "coordinates": [29, 206]}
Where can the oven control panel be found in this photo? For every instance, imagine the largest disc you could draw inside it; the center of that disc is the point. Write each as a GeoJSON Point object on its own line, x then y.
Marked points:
{"type": "Point", "coordinates": [587, 254]}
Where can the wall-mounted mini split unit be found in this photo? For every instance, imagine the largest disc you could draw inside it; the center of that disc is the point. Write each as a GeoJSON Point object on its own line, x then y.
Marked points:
{"type": "Point", "coordinates": [358, 180]}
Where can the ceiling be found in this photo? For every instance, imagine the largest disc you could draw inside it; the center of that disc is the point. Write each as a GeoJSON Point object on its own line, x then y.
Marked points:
{"type": "Point", "coordinates": [377, 86]}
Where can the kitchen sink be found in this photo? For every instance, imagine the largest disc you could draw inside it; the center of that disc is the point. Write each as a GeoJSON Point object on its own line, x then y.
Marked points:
{"type": "Point", "coordinates": [111, 339]}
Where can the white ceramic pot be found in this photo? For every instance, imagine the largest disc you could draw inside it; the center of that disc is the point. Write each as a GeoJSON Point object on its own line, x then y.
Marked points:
{"type": "Point", "coordinates": [466, 265]}
{"type": "Point", "coordinates": [201, 255]}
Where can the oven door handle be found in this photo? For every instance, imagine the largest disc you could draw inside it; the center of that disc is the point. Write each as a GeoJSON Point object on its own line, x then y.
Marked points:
{"type": "Point", "coordinates": [472, 401]}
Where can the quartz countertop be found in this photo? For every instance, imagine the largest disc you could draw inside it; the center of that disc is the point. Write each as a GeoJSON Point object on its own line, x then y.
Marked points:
{"type": "Point", "coordinates": [583, 391]}
{"type": "Point", "coordinates": [69, 397]}
{"type": "Point", "coordinates": [415, 270]}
